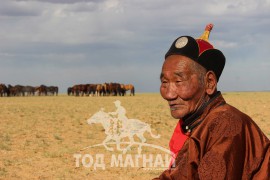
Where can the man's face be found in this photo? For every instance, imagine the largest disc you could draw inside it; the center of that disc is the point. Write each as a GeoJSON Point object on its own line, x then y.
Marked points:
{"type": "Point", "coordinates": [180, 86]}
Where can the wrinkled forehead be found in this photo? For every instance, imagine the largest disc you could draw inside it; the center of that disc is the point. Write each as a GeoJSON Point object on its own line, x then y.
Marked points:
{"type": "Point", "coordinates": [176, 67]}
{"type": "Point", "coordinates": [177, 63]}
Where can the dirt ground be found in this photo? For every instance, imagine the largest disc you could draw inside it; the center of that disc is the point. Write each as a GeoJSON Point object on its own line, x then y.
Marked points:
{"type": "Point", "coordinates": [49, 138]}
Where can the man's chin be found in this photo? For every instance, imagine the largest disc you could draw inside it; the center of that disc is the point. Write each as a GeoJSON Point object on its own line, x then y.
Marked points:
{"type": "Point", "coordinates": [177, 114]}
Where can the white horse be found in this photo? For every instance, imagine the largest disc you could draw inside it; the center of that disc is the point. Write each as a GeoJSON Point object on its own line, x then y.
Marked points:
{"type": "Point", "coordinates": [116, 129]}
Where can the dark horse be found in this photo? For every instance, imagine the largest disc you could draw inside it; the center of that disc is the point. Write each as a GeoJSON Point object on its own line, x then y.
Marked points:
{"type": "Point", "coordinates": [42, 90]}
{"type": "Point", "coordinates": [4, 90]}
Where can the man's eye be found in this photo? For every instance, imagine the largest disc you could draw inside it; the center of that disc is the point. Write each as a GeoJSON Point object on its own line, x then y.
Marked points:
{"type": "Point", "coordinates": [164, 82]}
{"type": "Point", "coordinates": [179, 83]}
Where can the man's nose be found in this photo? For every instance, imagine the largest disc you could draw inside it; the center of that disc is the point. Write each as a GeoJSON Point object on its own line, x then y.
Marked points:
{"type": "Point", "coordinates": [171, 92]}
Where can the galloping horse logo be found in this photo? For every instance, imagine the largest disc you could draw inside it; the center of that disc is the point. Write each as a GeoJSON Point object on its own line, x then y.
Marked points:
{"type": "Point", "coordinates": [117, 128]}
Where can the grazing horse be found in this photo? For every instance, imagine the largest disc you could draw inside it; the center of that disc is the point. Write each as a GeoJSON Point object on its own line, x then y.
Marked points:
{"type": "Point", "coordinates": [51, 90]}
{"type": "Point", "coordinates": [106, 87]}
{"type": "Point", "coordinates": [131, 88]}
{"type": "Point", "coordinates": [29, 90]}
{"type": "Point", "coordinates": [4, 90]}
{"type": "Point", "coordinates": [117, 129]}
{"type": "Point", "coordinates": [70, 91]}
{"type": "Point", "coordinates": [91, 89]}
{"type": "Point", "coordinates": [12, 90]}
{"type": "Point", "coordinates": [100, 90]}
{"type": "Point", "coordinates": [42, 90]}
{"type": "Point", "coordinates": [19, 90]}
{"type": "Point", "coordinates": [122, 90]}
{"type": "Point", "coordinates": [76, 90]}
{"type": "Point", "coordinates": [79, 89]}
{"type": "Point", "coordinates": [84, 89]}
{"type": "Point", "coordinates": [115, 88]}
{"type": "Point", "coordinates": [15, 90]}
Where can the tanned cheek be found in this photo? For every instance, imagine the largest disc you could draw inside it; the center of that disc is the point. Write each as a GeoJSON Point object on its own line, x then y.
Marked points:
{"type": "Point", "coordinates": [186, 92]}
{"type": "Point", "coordinates": [162, 91]}
{"type": "Point", "coordinates": [191, 88]}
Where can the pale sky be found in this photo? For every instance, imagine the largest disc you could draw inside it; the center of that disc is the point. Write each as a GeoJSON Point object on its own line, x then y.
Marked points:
{"type": "Point", "coordinates": [67, 42]}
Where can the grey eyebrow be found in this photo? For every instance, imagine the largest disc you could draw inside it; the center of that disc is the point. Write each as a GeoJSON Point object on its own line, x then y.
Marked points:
{"type": "Point", "coordinates": [180, 74]}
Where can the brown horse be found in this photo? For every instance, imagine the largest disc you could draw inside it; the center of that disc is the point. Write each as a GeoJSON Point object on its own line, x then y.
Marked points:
{"type": "Point", "coordinates": [100, 90]}
{"type": "Point", "coordinates": [115, 89]}
{"type": "Point", "coordinates": [4, 90]}
{"type": "Point", "coordinates": [42, 90]}
{"type": "Point", "coordinates": [131, 88]}
{"type": "Point", "coordinates": [28, 90]}
{"type": "Point", "coordinates": [15, 90]}
{"type": "Point", "coordinates": [122, 90]}
{"type": "Point", "coordinates": [52, 90]}
{"type": "Point", "coordinates": [106, 89]}
{"type": "Point", "coordinates": [91, 89]}
{"type": "Point", "coordinates": [70, 91]}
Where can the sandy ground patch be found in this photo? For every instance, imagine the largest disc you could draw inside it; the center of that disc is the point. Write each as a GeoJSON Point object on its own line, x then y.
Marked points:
{"type": "Point", "coordinates": [40, 135]}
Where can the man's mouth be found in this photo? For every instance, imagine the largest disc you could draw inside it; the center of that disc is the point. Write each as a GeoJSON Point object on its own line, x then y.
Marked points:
{"type": "Point", "coordinates": [174, 107]}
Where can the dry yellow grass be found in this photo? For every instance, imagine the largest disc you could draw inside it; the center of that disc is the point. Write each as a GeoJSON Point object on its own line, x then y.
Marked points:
{"type": "Point", "coordinates": [39, 135]}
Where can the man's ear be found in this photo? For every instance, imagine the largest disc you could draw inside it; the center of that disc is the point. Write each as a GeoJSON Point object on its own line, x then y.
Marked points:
{"type": "Point", "coordinates": [210, 83]}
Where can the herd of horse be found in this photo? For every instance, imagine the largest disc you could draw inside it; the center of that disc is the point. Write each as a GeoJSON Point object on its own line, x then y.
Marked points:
{"type": "Point", "coordinates": [19, 90]}
{"type": "Point", "coordinates": [105, 89]}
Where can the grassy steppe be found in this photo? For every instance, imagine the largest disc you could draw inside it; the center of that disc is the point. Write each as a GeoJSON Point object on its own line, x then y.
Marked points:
{"type": "Point", "coordinates": [39, 135]}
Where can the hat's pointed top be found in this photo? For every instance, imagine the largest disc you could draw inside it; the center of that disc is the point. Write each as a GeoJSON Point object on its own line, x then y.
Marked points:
{"type": "Point", "coordinates": [199, 50]}
{"type": "Point", "coordinates": [206, 33]}
{"type": "Point", "coordinates": [203, 41]}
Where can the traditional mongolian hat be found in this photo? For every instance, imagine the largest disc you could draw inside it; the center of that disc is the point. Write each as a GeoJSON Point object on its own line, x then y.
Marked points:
{"type": "Point", "coordinates": [199, 50]}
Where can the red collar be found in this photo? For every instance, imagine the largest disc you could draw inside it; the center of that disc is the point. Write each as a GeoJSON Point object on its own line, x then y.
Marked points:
{"type": "Point", "coordinates": [177, 141]}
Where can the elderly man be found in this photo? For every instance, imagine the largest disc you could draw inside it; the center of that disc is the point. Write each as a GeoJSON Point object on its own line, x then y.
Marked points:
{"type": "Point", "coordinates": [212, 139]}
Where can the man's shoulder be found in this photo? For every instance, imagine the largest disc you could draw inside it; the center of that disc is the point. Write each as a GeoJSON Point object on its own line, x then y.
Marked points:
{"type": "Point", "coordinates": [229, 113]}
{"type": "Point", "coordinates": [225, 121]}
{"type": "Point", "coordinates": [228, 121]}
